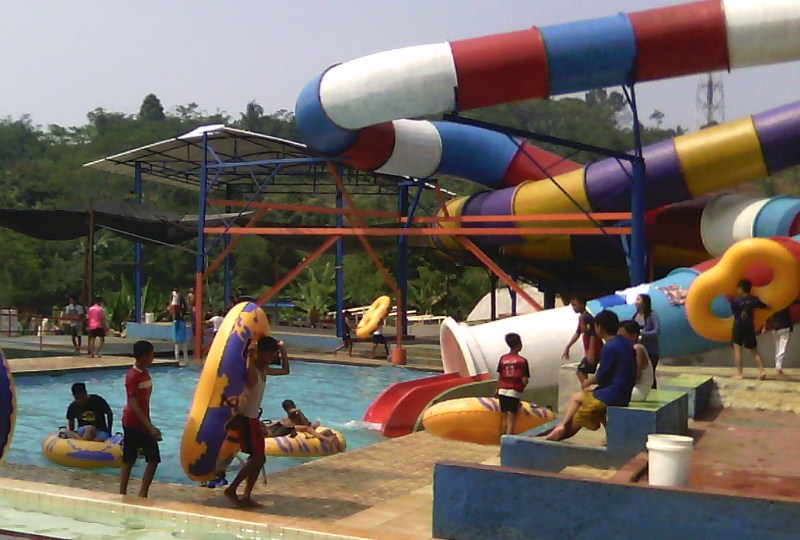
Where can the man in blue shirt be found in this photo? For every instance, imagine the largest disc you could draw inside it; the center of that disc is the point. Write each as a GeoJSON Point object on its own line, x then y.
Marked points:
{"type": "Point", "coordinates": [615, 378]}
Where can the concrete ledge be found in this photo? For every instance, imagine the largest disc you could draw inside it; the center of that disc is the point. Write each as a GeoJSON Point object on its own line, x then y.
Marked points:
{"type": "Point", "coordinates": [697, 387]}
{"type": "Point", "coordinates": [475, 502]}
{"type": "Point", "coordinates": [538, 454]}
{"type": "Point", "coordinates": [665, 411]}
{"type": "Point", "coordinates": [161, 332]}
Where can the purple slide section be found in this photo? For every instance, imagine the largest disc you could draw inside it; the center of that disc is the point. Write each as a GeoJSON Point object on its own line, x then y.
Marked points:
{"type": "Point", "coordinates": [608, 187]}
{"type": "Point", "coordinates": [494, 203]}
{"type": "Point", "coordinates": [779, 133]}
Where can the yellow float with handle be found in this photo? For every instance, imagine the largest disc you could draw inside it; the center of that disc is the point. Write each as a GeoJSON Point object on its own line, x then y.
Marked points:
{"type": "Point", "coordinates": [208, 446]}
{"type": "Point", "coordinates": [477, 419]}
{"type": "Point", "coordinates": [303, 445]}
{"type": "Point", "coordinates": [723, 278]}
{"type": "Point", "coordinates": [83, 454]}
{"type": "Point", "coordinates": [373, 317]}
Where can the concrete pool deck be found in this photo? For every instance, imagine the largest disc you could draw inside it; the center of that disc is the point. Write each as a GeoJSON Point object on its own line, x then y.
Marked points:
{"type": "Point", "coordinates": [385, 490]}
{"type": "Point", "coordinates": [380, 491]}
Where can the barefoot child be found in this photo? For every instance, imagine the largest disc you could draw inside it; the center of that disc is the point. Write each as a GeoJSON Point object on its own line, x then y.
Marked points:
{"type": "Point", "coordinates": [140, 433]}
{"type": "Point", "coordinates": [514, 373]}
{"type": "Point", "coordinates": [251, 436]}
{"type": "Point", "coordinates": [744, 328]}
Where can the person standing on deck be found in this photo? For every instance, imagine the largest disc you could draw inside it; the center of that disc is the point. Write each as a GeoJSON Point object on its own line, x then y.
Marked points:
{"type": "Point", "coordinates": [650, 330]}
{"type": "Point", "coordinates": [247, 421]}
{"type": "Point", "coordinates": [592, 345]}
{"type": "Point", "coordinates": [97, 324]}
{"type": "Point", "coordinates": [140, 435]}
{"type": "Point", "coordinates": [75, 314]}
{"type": "Point", "coordinates": [782, 326]}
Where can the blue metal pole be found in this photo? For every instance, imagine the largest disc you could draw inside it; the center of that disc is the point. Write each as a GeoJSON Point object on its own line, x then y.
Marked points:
{"type": "Point", "coordinates": [493, 296]}
{"type": "Point", "coordinates": [402, 257]}
{"type": "Point", "coordinates": [638, 203]}
{"type": "Point", "coordinates": [513, 295]}
{"type": "Point", "coordinates": [339, 267]}
{"type": "Point", "coordinates": [201, 247]}
{"type": "Point", "coordinates": [137, 275]}
{"type": "Point", "coordinates": [226, 240]}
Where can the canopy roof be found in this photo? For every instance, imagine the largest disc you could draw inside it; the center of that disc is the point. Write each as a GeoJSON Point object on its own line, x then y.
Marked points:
{"type": "Point", "coordinates": [124, 218]}
{"type": "Point", "coordinates": [178, 161]}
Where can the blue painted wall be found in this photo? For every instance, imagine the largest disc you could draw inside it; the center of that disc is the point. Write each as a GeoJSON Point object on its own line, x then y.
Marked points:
{"type": "Point", "coordinates": [483, 502]}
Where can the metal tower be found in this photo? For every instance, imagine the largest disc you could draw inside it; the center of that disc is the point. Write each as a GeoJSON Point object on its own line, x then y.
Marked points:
{"type": "Point", "coordinates": [710, 100]}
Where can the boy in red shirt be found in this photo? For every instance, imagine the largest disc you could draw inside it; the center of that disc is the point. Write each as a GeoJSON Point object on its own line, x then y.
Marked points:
{"type": "Point", "coordinates": [140, 433]}
{"type": "Point", "coordinates": [512, 379]}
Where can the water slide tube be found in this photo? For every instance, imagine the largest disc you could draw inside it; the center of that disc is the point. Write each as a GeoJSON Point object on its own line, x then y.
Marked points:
{"type": "Point", "coordinates": [207, 446]}
{"type": "Point", "coordinates": [357, 109]}
{"type": "Point", "coordinates": [8, 405]}
{"type": "Point", "coordinates": [472, 350]}
{"type": "Point", "coordinates": [677, 170]}
{"type": "Point", "coordinates": [395, 411]}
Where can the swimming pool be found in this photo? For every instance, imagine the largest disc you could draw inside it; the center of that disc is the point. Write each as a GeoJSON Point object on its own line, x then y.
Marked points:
{"type": "Point", "coordinates": [336, 395]}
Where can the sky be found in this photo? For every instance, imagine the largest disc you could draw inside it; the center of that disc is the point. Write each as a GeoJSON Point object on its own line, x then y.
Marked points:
{"type": "Point", "coordinates": [64, 59]}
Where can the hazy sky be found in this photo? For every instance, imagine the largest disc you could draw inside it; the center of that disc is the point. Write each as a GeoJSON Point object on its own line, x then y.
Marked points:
{"type": "Point", "coordinates": [63, 59]}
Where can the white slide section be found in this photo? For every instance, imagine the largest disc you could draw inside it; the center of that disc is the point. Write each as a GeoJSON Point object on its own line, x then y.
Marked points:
{"type": "Point", "coordinates": [470, 350]}
{"type": "Point", "coordinates": [377, 88]}
{"type": "Point", "coordinates": [761, 32]}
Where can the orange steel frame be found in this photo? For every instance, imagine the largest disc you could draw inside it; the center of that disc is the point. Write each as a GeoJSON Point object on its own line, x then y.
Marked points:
{"type": "Point", "coordinates": [358, 228]}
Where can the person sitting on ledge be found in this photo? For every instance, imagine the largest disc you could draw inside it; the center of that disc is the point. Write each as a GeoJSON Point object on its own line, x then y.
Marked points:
{"type": "Point", "coordinates": [615, 378]}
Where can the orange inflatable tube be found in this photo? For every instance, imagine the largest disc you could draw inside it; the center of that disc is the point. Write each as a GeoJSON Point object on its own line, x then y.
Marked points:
{"type": "Point", "coordinates": [373, 317]}
{"type": "Point", "coordinates": [724, 276]}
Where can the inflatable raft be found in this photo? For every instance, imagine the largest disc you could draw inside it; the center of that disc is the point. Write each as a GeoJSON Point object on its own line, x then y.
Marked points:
{"type": "Point", "coordinates": [83, 454]}
{"type": "Point", "coordinates": [477, 419]}
{"type": "Point", "coordinates": [8, 405]}
{"type": "Point", "coordinates": [303, 445]}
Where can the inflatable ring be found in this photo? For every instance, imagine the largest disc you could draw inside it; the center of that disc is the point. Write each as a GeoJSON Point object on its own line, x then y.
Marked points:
{"type": "Point", "coordinates": [303, 445]}
{"type": "Point", "coordinates": [8, 405]}
{"type": "Point", "coordinates": [477, 419]}
{"type": "Point", "coordinates": [373, 317]}
{"type": "Point", "coordinates": [83, 454]}
{"type": "Point", "coordinates": [206, 446]}
{"type": "Point", "coordinates": [724, 276]}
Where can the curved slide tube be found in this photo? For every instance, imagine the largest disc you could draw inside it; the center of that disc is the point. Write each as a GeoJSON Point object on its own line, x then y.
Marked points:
{"type": "Point", "coordinates": [356, 109]}
{"type": "Point", "coordinates": [397, 408]}
{"type": "Point", "coordinates": [683, 168]}
{"type": "Point", "coordinates": [781, 256]}
{"type": "Point", "coordinates": [472, 350]}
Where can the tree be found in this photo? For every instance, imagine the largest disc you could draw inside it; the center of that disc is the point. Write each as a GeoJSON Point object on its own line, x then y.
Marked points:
{"type": "Point", "coordinates": [251, 116]}
{"type": "Point", "coordinates": [151, 109]}
{"type": "Point", "coordinates": [658, 116]}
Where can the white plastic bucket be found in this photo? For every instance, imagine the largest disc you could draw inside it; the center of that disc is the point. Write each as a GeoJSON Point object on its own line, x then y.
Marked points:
{"type": "Point", "coordinates": [669, 457]}
{"type": "Point", "coordinates": [149, 318]}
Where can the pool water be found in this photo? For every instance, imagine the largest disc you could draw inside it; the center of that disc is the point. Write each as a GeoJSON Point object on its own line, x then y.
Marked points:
{"type": "Point", "coordinates": [336, 395]}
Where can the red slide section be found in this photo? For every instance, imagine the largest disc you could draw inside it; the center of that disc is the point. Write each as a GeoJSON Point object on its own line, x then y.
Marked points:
{"type": "Point", "coordinates": [397, 408]}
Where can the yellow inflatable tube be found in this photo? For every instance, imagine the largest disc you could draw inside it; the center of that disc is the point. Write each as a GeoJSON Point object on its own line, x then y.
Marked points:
{"type": "Point", "coordinates": [724, 276]}
{"type": "Point", "coordinates": [477, 419]}
{"type": "Point", "coordinates": [373, 317]}
{"type": "Point", "coordinates": [303, 445]}
{"type": "Point", "coordinates": [207, 446]}
{"type": "Point", "coordinates": [83, 454]}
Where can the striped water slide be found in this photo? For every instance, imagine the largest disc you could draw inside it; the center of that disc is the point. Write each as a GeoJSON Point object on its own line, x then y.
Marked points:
{"type": "Point", "coordinates": [357, 109]}
{"type": "Point", "coordinates": [473, 350]}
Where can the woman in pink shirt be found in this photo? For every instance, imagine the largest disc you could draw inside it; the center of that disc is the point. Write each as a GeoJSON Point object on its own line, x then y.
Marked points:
{"type": "Point", "coordinates": [97, 326]}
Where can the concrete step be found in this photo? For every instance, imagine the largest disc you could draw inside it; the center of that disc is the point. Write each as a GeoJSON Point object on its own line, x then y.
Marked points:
{"type": "Point", "coordinates": [774, 395]}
